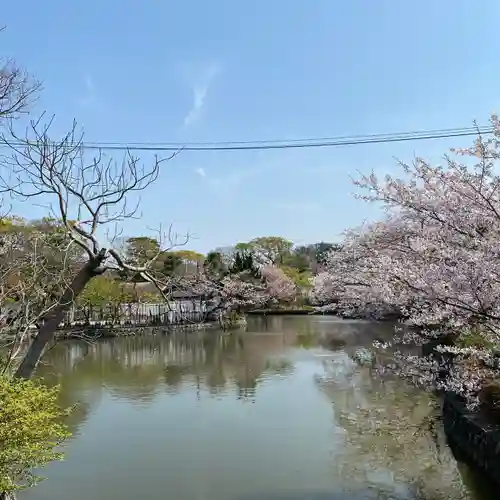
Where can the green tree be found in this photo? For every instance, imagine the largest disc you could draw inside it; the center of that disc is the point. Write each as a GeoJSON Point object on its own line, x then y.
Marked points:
{"type": "Point", "coordinates": [30, 432]}
{"type": "Point", "coordinates": [139, 250]}
{"type": "Point", "coordinates": [300, 278]}
{"type": "Point", "coordinates": [300, 258]}
{"type": "Point", "coordinates": [104, 294]}
{"type": "Point", "coordinates": [243, 247]}
{"type": "Point", "coordinates": [215, 265]}
{"type": "Point", "coordinates": [271, 249]}
{"type": "Point", "coordinates": [244, 261]}
{"type": "Point", "coordinates": [171, 262]}
{"type": "Point", "coordinates": [322, 249]}
{"type": "Point", "coordinates": [36, 261]}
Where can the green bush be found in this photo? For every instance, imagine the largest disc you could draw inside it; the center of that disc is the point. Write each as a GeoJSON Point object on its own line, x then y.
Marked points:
{"type": "Point", "coordinates": [473, 338]}
{"type": "Point", "coordinates": [30, 431]}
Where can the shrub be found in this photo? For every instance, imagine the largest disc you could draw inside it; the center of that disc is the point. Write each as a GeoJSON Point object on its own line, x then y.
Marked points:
{"type": "Point", "coordinates": [30, 431]}
{"type": "Point", "coordinates": [474, 338]}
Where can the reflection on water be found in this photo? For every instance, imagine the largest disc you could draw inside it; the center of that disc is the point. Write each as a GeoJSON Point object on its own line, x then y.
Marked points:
{"type": "Point", "coordinates": [278, 412]}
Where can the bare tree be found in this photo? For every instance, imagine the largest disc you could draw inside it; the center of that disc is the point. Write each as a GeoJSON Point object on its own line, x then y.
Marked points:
{"type": "Point", "coordinates": [86, 197]}
{"type": "Point", "coordinates": [18, 89]}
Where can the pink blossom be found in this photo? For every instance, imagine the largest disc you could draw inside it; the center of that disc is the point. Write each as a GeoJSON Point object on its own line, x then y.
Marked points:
{"type": "Point", "coordinates": [242, 291]}
{"type": "Point", "coordinates": [278, 285]}
{"type": "Point", "coordinates": [435, 257]}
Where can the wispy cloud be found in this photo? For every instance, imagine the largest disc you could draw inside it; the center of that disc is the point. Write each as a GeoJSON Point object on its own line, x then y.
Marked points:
{"type": "Point", "coordinates": [200, 171]}
{"type": "Point", "coordinates": [88, 96]}
{"type": "Point", "coordinates": [200, 87]}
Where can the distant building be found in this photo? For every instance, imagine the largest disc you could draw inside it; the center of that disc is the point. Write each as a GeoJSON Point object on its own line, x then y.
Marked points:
{"type": "Point", "coordinates": [180, 300]}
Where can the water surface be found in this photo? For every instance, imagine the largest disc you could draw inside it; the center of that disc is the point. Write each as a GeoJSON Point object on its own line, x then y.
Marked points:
{"type": "Point", "coordinates": [280, 412]}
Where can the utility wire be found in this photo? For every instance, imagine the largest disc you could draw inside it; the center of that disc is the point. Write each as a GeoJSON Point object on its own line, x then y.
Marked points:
{"type": "Point", "coordinates": [303, 140]}
{"type": "Point", "coordinates": [287, 144]}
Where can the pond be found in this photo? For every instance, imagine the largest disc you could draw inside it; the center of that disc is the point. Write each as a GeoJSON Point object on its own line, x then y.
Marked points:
{"type": "Point", "coordinates": [279, 412]}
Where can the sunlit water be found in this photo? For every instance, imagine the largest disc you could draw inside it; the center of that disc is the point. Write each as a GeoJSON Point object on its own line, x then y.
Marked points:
{"type": "Point", "coordinates": [274, 413]}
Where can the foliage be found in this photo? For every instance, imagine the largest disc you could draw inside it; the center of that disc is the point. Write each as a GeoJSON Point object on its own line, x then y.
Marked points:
{"type": "Point", "coordinates": [270, 249]}
{"type": "Point", "coordinates": [38, 249]}
{"type": "Point", "coordinates": [190, 256]}
{"type": "Point", "coordinates": [215, 265]}
{"type": "Point", "coordinates": [240, 290]}
{"type": "Point", "coordinates": [244, 262]}
{"type": "Point", "coordinates": [141, 249]}
{"type": "Point", "coordinates": [37, 261]}
{"type": "Point", "coordinates": [171, 262]}
{"type": "Point", "coordinates": [474, 339]}
{"type": "Point", "coordinates": [103, 291]}
{"type": "Point", "coordinates": [301, 278]}
{"type": "Point", "coordinates": [30, 431]}
{"type": "Point", "coordinates": [299, 259]}
{"type": "Point", "coordinates": [276, 251]}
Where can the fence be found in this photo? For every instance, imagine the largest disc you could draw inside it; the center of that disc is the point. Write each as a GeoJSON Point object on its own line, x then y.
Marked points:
{"type": "Point", "coordinates": [177, 312]}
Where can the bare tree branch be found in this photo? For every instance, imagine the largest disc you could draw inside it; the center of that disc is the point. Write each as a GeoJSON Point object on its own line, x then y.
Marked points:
{"type": "Point", "coordinates": [18, 90]}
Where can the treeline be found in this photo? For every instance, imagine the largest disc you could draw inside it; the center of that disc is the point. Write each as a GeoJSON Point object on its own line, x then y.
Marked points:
{"type": "Point", "coordinates": [298, 262]}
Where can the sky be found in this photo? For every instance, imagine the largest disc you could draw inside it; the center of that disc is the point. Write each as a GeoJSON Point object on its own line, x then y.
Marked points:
{"type": "Point", "coordinates": [198, 71]}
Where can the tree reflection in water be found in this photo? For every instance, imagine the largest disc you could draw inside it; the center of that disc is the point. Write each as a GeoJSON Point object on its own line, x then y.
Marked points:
{"type": "Point", "coordinates": [141, 368]}
{"type": "Point", "coordinates": [387, 440]}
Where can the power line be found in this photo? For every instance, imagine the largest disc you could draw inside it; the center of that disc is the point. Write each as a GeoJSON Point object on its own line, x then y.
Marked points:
{"type": "Point", "coordinates": [303, 140]}
{"type": "Point", "coordinates": [287, 144]}
{"type": "Point", "coordinates": [287, 141]}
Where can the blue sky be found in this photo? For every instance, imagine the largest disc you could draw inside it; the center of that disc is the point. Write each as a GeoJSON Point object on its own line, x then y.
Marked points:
{"type": "Point", "coordinates": [230, 71]}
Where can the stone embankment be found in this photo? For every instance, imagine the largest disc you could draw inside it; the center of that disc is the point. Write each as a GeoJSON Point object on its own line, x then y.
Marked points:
{"type": "Point", "coordinates": [472, 437]}
{"type": "Point", "coordinates": [95, 332]}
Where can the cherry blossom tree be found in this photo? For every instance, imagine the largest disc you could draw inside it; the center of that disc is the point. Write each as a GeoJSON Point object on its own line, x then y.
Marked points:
{"type": "Point", "coordinates": [435, 258]}
{"type": "Point", "coordinates": [235, 293]}
{"type": "Point", "coordinates": [279, 286]}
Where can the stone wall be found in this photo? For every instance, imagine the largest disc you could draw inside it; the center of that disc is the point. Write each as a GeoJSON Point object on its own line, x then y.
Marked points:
{"type": "Point", "coordinates": [476, 440]}
{"type": "Point", "coordinates": [126, 331]}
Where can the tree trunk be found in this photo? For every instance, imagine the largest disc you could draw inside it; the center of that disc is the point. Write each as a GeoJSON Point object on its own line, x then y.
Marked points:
{"type": "Point", "coordinates": [7, 496]}
{"type": "Point", "coordinates": [48, 328]}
